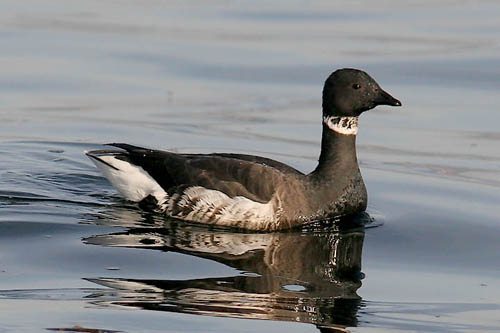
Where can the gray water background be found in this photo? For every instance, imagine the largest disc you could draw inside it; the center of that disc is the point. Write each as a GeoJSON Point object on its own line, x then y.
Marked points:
{"type": "Point", "coordinates": [247, 77]}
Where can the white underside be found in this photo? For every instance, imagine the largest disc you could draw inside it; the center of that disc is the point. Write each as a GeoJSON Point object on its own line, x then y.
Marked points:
{"type": "Point", "coordinates": [196, 203]}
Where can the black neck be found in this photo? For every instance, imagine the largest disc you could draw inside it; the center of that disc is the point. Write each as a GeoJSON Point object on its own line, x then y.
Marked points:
{"type": "Point", "coordinates": [338, 154]}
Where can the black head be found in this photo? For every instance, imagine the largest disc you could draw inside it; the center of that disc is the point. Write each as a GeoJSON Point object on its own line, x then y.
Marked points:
{"type": "Point", "coordinates": [349, 92]}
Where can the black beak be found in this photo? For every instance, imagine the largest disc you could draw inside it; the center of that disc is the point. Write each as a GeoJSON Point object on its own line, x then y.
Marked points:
{"type": "Point", "coordinates": [384, 98]}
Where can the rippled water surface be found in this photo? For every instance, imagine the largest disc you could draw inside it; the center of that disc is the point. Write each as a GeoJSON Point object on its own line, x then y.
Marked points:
{"type": "Point", "coordinates": [247, 77]}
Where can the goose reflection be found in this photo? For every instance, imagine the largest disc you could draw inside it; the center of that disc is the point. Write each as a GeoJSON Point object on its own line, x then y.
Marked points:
{"type": "Point", "coordinates": [308, 276]}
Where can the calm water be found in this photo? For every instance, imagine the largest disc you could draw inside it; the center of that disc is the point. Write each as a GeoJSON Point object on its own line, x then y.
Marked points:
{"type": "Point", "coordinates": [247, 77]}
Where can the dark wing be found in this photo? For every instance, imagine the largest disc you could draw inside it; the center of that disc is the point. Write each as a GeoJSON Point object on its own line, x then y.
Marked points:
{"type": "Point", "coordinates": [261, 160]}
{"type": "Point", "coordinates": [236, 175]}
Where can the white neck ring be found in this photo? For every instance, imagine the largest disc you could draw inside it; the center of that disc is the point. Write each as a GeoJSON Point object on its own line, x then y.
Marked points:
{"type": "Point", "coordinates": [342, 125]}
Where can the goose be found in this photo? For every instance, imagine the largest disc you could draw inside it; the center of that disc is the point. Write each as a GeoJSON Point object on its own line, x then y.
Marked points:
{"type": "Point", "coordinates": [253, 192]}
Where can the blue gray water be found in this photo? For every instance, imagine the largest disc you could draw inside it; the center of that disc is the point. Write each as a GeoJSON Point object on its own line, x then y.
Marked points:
{"type": "Point", "coordinates": [247, 77]}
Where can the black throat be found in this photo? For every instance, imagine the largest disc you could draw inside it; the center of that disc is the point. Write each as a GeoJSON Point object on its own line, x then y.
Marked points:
{"type": "Point", "coordinates": [338, 155]}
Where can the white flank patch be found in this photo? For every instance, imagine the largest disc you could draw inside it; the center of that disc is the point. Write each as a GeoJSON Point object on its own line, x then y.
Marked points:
{"type": "Point", "coordinates": [215, 207]}
{"type": "Point", "coordinates": [132, 181]}
{"type": "Point", "coordinates": [342, 125]}
{"type": "Point", "coordinates": [197, 203]}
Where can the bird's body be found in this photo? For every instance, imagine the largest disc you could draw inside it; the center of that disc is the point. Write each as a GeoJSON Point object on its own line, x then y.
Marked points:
{"type": "Point", "coordinates": [246, 191]}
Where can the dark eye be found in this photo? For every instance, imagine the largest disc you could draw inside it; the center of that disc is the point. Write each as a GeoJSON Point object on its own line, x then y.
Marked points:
{"type": "Point", "coordinates": [356, 86]}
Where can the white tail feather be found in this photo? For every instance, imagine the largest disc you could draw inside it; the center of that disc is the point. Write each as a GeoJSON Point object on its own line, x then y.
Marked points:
{"type": "Point", "coordinates": [132, 181]}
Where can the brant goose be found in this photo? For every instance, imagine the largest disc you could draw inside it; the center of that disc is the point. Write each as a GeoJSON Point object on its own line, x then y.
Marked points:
{"type": "Point", "coordinates": [253, 192]}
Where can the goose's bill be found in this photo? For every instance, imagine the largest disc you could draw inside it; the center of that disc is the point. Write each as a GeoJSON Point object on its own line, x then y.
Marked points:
{"type": "Point", "coordinates": [384, 98]}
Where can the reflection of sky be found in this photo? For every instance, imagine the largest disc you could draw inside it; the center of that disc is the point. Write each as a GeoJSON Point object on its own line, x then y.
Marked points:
{"type": "Point", "coordinates": [114, 48]}
{"type": "Point", "coordinates": [426, 286]}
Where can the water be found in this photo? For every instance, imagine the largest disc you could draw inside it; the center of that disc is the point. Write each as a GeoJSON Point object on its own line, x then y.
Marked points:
{"type": "Point", "coordinates": [241, 77]}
